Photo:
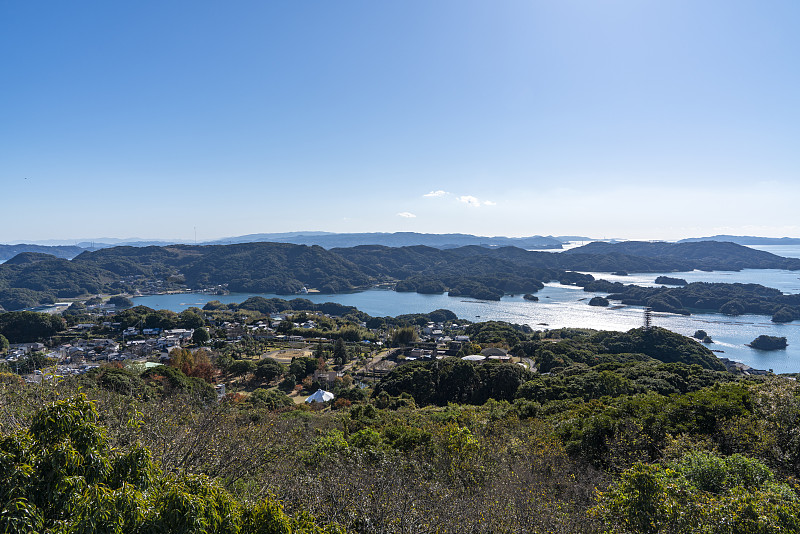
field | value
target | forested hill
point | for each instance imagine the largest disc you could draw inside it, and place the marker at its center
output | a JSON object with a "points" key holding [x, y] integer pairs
{"points": [[486, 273], [258, 267], [703, 255]]}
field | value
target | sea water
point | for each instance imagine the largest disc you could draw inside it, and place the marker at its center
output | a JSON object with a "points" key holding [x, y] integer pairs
{"points": [[561, 306]]}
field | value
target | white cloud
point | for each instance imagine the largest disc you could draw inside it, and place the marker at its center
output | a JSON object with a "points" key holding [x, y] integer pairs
{"points": [[470, 201], [489, 203], [438, 193], [406, 215]]}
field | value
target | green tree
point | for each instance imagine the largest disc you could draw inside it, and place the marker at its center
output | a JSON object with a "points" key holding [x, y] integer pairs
{"points": [[302, 367], [404, 336], [340, 352], [191, 318], [268, 369], [288, 382], [120, 301], [269, 399], [242, 367], [783, 315], [200, 336]]}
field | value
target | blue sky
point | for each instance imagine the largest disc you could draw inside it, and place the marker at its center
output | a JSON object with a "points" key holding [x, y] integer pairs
{"points": [[606, 118]]}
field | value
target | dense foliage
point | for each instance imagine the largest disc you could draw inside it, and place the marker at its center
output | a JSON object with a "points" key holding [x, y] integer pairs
{"points": [[25, 327], [62, 475], [454, 380]]}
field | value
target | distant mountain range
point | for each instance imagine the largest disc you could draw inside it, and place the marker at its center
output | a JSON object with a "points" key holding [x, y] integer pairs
{"points": [[61, 251], [746, 240], [326, 240], [396, 239]]}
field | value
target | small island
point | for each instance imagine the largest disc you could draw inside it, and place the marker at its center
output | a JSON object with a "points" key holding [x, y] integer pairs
{"points": [[598, 301], [783, 315], [702, 336], [768, 343], [669, 281], [532, 298]]}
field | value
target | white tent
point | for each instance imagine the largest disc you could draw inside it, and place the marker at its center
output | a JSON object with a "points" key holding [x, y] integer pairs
{"points": [[320, 396]]}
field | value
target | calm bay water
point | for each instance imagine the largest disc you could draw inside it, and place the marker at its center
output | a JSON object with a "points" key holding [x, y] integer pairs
{"points": [[567, 306]]}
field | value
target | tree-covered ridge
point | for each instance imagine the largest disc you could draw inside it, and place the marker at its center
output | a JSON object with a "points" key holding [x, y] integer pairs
{"points": [[730, 299], [586, 365], [41, 280], [275, 268], [702, 255], [283, 268], [656, 343]]}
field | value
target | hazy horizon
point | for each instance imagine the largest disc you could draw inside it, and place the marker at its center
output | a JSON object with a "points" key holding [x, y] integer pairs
{"points": [[121, 241]]}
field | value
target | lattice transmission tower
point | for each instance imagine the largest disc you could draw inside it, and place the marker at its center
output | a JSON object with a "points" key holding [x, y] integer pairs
{"points": [[648, 317]]}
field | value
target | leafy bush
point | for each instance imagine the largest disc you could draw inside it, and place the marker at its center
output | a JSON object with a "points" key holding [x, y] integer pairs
{"points": [[62, 475], [702, 492]]}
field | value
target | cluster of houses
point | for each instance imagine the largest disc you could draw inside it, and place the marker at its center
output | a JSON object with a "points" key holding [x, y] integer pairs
{"points": [[439, 345], [261, 330], [20, 350], [80, 355], [162, 341], [428, 351]]}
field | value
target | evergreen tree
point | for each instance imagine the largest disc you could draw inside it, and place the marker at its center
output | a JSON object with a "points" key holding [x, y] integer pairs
{"points": [[340, 352]]}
